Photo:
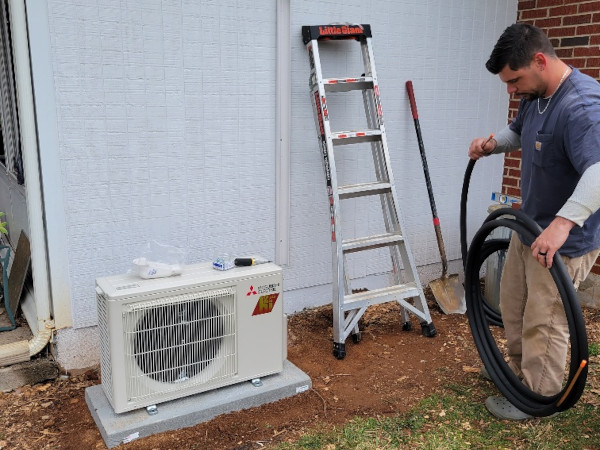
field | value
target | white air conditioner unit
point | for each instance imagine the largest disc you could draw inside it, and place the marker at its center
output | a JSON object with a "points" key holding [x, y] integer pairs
{"points": [[167, 338]]}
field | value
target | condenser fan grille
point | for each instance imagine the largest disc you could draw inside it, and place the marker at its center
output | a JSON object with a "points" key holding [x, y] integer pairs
{"points": [[182, 339]]}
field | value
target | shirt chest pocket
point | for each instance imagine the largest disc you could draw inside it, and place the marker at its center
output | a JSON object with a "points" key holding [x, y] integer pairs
{"points": [[546, 151]]}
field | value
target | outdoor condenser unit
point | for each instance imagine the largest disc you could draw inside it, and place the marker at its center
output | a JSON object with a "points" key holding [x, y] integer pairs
{"points": [[167, 338]]}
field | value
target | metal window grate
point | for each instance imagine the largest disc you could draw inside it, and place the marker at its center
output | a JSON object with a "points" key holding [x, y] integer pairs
{"points": [[180, 341], [10, 145]]}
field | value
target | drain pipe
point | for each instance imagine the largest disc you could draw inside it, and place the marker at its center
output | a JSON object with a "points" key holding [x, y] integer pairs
{"points": [[23, 350]]}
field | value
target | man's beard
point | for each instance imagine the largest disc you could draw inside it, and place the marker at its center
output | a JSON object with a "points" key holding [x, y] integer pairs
{"points": [[538, 93]]}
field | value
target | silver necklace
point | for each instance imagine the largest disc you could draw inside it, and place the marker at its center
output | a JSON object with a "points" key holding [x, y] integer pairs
{"points": [[550, 97]]}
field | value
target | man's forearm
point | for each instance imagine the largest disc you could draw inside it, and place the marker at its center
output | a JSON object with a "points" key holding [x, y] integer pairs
{"points": [[506, 141], [585, 200]]}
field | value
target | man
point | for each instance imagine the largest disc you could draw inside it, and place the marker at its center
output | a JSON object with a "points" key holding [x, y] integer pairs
{"points": [[557, 128]]}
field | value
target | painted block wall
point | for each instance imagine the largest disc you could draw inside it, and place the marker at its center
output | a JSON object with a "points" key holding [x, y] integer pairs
{"points": [[165, 115], [165, 118], [574, 29]]}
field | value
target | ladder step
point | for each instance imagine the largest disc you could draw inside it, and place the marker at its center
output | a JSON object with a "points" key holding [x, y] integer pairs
{"points": [[354, 137], [371, 242], [362, 189], [347, 84], [381, 295]]}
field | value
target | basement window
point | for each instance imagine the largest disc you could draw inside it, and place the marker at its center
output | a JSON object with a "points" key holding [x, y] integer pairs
{"points": [[10, 142]]}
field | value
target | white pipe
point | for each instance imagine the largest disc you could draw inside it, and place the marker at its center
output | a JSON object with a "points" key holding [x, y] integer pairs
{"points": [[13, 353], [39, 267], [40, 54], [21, 351]]}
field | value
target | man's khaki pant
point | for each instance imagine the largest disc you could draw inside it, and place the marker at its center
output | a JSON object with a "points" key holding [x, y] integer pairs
{"points": [[534, 319]]}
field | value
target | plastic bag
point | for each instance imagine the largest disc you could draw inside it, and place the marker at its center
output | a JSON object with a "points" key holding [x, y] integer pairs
{"points": [[223, 262], [158, 260]]}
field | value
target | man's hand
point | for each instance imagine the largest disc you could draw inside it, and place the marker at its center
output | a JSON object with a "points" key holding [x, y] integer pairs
{"points": [[551, 239], [481, 147]]}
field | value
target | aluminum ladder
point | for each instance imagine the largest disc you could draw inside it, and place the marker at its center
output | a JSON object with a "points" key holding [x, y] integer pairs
{"points": [[348, 307]]}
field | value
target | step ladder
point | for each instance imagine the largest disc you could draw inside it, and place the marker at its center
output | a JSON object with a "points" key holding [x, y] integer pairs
{"points": [[349, 306]]}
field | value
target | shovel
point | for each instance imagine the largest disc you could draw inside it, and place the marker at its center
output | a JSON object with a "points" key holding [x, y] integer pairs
{"points": [[447, 290]]}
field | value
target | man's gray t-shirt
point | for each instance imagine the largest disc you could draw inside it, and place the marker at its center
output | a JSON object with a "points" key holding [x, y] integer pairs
{"points": [[557, 147]]}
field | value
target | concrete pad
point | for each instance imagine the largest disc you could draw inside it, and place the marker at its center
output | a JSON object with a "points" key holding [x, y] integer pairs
{"points": [[185, 412]]}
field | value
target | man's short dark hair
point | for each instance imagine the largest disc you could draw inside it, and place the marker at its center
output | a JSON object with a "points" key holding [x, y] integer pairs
{"points": [[517, 46]]}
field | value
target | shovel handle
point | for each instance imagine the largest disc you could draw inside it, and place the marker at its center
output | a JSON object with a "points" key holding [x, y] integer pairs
{"points": [[411, 99], [436, 220], [413, 107], [440, 242]]}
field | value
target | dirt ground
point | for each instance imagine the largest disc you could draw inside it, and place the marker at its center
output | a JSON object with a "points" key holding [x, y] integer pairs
{"points": [[385, 374]]}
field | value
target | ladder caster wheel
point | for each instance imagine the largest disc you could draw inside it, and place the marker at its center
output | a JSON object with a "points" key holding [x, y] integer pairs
{"points": [[428, 329], [339, 350], [357, 337], [407, 326]]}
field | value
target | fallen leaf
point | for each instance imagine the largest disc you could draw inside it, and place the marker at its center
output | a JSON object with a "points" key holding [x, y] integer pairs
{"points": [[49, 423], [469, 369]]}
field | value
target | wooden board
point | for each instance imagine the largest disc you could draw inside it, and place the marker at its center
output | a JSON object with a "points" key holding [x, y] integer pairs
{"points": [[18, 272]]}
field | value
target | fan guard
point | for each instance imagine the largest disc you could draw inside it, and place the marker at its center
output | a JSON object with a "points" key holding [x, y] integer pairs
{"points": [[175, 342]]}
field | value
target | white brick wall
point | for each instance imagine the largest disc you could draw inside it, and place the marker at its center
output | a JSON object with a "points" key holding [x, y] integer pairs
{"points": [[165, 115], [166, 130]]}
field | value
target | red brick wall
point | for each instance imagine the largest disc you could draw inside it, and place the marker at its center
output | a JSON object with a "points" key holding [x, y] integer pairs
{"points": [[573, 26]]}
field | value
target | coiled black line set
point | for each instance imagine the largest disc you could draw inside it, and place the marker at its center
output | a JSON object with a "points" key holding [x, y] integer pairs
{"points": [[481, 315]]}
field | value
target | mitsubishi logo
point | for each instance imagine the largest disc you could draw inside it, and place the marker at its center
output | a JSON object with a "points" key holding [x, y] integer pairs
{"points": [[251, 291]]}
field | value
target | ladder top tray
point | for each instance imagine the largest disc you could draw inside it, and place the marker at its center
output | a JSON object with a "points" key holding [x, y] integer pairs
{"points": [[335, 31]]}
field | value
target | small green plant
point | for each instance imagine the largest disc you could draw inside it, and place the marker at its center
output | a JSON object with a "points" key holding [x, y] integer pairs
{"points": [[3, 229], [593, 349]]}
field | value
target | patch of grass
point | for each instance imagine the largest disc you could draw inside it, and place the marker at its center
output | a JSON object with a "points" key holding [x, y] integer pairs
{"points": [[593, 349], [310, 441], [457, 419]]}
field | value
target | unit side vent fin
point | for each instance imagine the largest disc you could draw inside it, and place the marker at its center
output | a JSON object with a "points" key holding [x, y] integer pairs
{"points": [[105, 365]]}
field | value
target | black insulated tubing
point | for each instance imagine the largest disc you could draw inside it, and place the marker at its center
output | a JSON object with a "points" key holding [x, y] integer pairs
{"points": [[489, 247], [479, 317]]}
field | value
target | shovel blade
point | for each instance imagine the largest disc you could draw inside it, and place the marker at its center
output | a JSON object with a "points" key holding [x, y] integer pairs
{"points": [[449, 294]]}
